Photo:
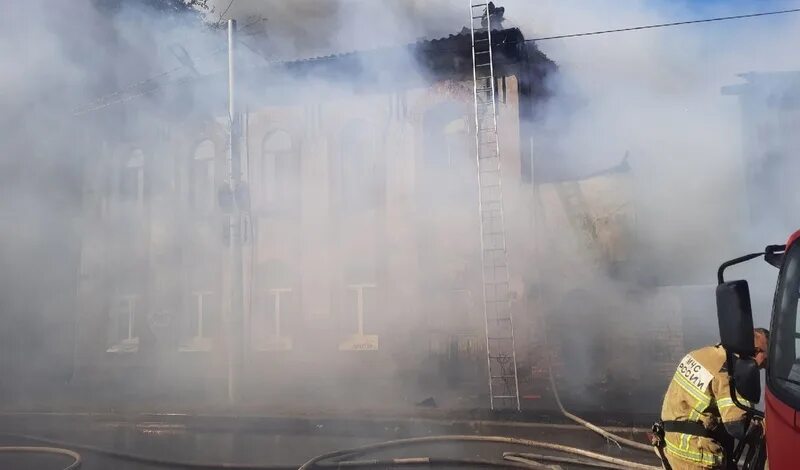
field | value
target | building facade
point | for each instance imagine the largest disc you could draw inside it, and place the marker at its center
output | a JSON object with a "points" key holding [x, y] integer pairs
{"points": [[361, 258]]}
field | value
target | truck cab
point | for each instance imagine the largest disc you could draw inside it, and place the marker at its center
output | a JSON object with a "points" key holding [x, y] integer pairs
{"points": [[783, 374], [781, 416]]}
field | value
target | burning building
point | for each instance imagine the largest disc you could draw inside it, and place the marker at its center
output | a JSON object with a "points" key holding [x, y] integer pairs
{"points": [[361, 250], [361, 270]]}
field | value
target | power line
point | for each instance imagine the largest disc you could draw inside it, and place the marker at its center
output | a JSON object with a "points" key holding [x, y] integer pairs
{"points": [[103, 101], [226, 11], [664, 25], [119, 95]]}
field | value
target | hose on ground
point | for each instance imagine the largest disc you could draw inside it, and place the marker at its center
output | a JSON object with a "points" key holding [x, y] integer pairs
{"points": [[613, 437], [151, 461], [467, 438], [76, 458], [429, 461], [512, 459], [526, 457]]}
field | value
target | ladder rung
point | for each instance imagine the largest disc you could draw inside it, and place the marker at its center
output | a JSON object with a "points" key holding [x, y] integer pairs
{"points": [[501, 319], [503, 376], [498, 250], [476, 5], [495, 266], [483, 65], [504, 397], [481, 52]]}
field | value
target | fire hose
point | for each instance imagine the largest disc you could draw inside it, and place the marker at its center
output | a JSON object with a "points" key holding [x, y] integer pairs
{"points": [[511, 459], [76, 458], [496, 439], [612, 437]]}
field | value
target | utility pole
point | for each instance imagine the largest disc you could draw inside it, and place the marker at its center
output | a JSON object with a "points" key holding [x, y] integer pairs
{"points": [[235, 320]]}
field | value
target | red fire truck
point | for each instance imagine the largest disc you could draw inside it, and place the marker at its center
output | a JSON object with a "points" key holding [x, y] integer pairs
{"points": [[781, 416]]}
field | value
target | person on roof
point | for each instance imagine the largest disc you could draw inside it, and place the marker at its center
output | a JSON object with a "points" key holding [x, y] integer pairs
{"points": [[495, 16]]}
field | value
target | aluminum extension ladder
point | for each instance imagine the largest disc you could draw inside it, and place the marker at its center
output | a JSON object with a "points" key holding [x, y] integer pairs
{"points": [[500, 348]]}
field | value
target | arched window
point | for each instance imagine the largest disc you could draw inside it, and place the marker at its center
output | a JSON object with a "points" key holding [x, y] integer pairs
{"points": [[131, 186], [202, 186], [456, 143], [446, 139], [448, 173], [279, 172], [360, 179]]}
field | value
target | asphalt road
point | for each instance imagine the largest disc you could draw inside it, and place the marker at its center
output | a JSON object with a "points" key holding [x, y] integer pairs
{"points": [[259, 445]]}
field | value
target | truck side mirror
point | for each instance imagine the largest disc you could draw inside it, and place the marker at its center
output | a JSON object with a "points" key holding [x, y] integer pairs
{"points": [[747, 378], [735, 316]]}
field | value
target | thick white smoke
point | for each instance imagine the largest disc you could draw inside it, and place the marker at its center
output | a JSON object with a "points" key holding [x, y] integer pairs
{"points": [[655, 94]]}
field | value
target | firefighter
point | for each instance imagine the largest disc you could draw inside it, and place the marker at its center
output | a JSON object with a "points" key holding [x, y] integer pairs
{"points": [[699, 419]]}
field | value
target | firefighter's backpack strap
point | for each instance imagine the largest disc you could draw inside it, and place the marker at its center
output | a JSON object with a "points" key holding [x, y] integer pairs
{"points": [[658, 440], [693, 428]]}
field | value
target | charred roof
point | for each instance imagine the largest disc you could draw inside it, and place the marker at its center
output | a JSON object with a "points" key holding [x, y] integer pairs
{"points": [[377, 70], [444, 58]]}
